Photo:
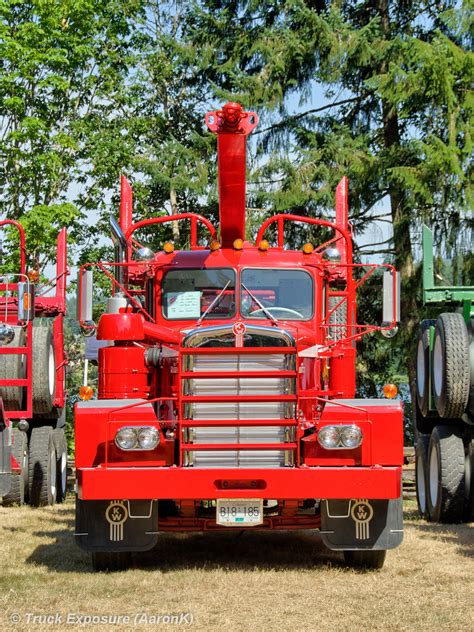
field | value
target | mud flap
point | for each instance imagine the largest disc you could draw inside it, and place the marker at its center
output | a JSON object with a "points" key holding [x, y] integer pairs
{"points": [[359, 524], [116, 525]]}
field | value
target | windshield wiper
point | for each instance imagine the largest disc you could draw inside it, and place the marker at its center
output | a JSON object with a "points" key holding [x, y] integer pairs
{"points": [[213, 304], [264, 309]]}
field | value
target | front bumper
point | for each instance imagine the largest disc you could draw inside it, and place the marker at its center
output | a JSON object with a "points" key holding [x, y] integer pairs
{"points": [[174, 483]]}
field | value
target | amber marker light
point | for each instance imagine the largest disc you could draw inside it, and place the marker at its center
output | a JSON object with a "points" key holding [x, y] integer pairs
{"points": [[390, 391], [168, 247], [263, 245], [33, 276], [308, 249], [86, 392], [214, 245], [238, 244]]}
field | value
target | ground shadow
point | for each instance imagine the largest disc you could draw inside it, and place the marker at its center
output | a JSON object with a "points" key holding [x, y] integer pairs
{"points": [[460, 534]]}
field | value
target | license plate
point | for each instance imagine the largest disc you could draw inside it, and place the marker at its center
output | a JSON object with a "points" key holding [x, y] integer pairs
{"points": [[239, 512]]}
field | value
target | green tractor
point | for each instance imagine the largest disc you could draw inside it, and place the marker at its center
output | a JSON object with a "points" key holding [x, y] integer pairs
{"points": [[444, 401]]}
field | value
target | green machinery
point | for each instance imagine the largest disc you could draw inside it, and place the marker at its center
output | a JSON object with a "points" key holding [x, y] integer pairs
{"points": [[444, 402]]}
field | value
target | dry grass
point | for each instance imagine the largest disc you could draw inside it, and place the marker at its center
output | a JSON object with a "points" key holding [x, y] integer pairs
{"points": [[255, 582]]}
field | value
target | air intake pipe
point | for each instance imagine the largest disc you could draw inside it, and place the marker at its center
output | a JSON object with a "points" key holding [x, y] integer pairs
{"points": [[232, 126]]}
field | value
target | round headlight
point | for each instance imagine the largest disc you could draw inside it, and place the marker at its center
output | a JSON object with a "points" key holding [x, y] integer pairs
{"points": [[148, 438], [351, 436], [328, 437], [126, 438]]}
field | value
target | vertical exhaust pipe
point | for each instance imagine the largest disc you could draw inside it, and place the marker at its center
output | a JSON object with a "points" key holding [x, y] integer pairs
{"points": [[232, 126]]}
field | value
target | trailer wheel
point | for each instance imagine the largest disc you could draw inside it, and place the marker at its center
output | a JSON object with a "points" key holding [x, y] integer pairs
{"points": [[469, 479], [60, 445], [451, 372], [423, 366], [365, 559], [111, 561], [17, 493], [421, 454], [12, 367], [42, 467], [44, 370], [446, 475]]}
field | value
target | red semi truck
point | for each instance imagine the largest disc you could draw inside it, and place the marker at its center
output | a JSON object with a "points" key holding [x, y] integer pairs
{"points": [[33, 459], [226, 391]]}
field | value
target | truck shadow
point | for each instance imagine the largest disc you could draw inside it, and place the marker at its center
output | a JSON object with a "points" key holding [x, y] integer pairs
{"points": [[460, 534], [287, 550]]}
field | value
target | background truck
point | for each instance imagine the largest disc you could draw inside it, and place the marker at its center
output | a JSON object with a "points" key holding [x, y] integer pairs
{"points": [[32, 381], [226, 392], [444, 399]]}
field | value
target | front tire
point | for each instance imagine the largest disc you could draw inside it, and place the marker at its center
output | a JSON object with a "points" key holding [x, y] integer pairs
{"points": [[18, 488], [446, 475], [42, 467], [365, 559]]}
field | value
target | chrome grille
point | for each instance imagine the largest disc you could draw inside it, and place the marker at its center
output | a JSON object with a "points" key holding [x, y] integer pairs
{"points": [[238, 410]]}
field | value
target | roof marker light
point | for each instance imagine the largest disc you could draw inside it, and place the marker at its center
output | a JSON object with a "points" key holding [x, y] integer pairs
{"points": [[308, 249], [168, 247], [214, 245], [263, 245], [390, 391], [238, 244]]}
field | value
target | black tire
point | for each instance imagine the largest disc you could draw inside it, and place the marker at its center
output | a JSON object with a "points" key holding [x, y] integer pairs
{"points": [[18, 489], [450, 370], [338, 317], [60, 445], [44, 371], [42, 467], [365, 559], [421, 455], [469, 479], [446, 475], [111, 561], [12, 367], [423, 366]]}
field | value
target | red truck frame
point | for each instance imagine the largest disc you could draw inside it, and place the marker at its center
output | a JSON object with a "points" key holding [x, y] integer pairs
{"points": [[246, 395]]}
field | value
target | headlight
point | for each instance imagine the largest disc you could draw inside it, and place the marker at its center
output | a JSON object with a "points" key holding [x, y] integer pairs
{"points": [[126, 438], [340, 437], [328, 437], [137, 438], [351, 436], [148, 438]]}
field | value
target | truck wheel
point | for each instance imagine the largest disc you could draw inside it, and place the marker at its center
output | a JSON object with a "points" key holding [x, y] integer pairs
{"points": [[12, 367], [450, 365], [17, 493], [423, 366], [42, 467], [44, 370], [365, 559], [469, 479], [446, 475], [421, 454], [60, 445], [111, 561]]}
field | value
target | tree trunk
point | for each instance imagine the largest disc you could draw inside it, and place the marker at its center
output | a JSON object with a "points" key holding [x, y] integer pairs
{"points": [[174, 209]]}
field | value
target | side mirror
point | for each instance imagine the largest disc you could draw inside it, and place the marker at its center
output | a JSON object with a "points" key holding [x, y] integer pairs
{"points": [[391, 302], [84, 297], [26, 301]]}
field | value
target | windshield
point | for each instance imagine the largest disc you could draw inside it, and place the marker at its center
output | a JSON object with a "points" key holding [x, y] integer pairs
{"points": [[281, 294], [189, 294]]}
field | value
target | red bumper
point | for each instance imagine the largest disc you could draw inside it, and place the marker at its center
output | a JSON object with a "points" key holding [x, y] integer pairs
{"points": [[205, 484]]}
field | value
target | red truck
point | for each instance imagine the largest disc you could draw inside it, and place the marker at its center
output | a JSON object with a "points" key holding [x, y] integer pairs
{"points": [[226, 390], [33, 460]]}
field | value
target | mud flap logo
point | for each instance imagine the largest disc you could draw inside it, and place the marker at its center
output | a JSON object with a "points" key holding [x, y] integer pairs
{"points": [[362, 513], [116, 514]]}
